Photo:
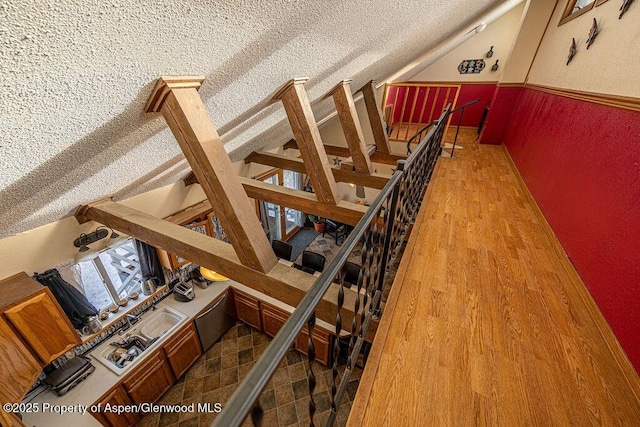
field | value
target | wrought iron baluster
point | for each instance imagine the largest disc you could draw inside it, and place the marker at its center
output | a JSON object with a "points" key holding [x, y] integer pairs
{"points": [[257, 414], [336, 341], [311, 352]]}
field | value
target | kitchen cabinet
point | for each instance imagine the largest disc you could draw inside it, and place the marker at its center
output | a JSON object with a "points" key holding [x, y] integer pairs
{"points": [[272, 320], [18, 367], [322, 340], [150, 380], [33, 332], [182, 349], [115, 396], [247, 309], [43, 324]]}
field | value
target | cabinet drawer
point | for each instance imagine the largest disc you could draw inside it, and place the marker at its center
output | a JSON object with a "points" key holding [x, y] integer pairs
{"points": [[150, 380]]}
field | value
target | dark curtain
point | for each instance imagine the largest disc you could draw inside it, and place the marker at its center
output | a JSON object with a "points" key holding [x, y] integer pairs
{"points": [[75, 305], [150, 267]]}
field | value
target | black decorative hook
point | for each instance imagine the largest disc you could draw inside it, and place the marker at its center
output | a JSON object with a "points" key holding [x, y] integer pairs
{"points": [[624, 7], [593, 33], [490, 53], [572, 50], [495, 66]]}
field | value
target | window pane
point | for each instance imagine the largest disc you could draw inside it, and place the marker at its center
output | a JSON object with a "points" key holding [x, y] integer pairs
{"points": [[93, 285], [123, 267]]}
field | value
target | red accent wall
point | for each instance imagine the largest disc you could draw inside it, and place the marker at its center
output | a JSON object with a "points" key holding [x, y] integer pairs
{"points": [[504, 101], [473, 113], [581, 162]]}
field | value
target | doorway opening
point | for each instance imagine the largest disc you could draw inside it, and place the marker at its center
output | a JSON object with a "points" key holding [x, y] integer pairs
{"points": [[283, 222]]}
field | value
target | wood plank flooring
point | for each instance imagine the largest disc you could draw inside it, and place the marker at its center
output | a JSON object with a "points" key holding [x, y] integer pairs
{"points": [[488, 323]]}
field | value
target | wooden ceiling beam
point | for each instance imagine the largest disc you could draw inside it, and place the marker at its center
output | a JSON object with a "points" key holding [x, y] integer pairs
{"points": [[351, 127], [283, 283], [305, 130], [376, 119], [374, 180], [345, 212], [178, 100], [279, 161]]}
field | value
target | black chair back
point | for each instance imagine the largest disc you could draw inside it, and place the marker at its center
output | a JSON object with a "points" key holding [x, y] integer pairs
{"points": [[313, 261], [282, 249], [351, 273]]}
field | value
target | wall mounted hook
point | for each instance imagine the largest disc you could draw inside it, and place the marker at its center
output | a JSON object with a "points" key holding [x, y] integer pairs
{"points": [[624, 7], [572, 50], [593, 33]]}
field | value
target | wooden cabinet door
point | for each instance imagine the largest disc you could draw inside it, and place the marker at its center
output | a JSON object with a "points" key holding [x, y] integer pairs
{"points": [[117, 396], [272, 319], [322, 340], [43, 324], [18, 367], [247, 309], [150, 380], [182, 349]]}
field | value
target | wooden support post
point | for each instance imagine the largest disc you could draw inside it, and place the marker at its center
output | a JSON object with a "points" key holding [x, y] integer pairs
{"points": [[375, 118], [348, 116], [305, 129], [178, 100], [283, 283]]}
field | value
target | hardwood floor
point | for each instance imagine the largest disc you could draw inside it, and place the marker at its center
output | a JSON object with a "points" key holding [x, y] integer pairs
{"points": [[487, 322]]}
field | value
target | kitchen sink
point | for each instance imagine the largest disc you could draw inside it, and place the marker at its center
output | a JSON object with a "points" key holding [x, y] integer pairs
{"points": [[123, 351]]}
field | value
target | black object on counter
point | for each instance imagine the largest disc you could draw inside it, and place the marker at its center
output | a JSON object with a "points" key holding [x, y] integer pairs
{"points": [[69, 375]]}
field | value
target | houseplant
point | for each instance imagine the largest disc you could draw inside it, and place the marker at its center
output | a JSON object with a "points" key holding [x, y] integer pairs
{"points": [[318, 223]]}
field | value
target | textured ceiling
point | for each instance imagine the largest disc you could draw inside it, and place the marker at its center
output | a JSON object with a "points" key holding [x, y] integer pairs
{"points": [[75, 75]]}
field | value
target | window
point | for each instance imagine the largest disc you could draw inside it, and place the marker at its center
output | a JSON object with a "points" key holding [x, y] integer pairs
{"points": [[576, 8], [112, 275]]}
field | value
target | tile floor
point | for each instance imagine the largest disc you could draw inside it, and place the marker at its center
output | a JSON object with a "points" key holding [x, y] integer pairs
{"points": [[217, 373]]}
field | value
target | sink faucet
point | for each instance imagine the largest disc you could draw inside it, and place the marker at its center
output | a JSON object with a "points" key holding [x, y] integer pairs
{"points": [[131, 319]]}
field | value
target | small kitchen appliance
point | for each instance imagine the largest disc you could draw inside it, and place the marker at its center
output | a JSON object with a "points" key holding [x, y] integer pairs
{"points": [[69, 375], [184, 292]]}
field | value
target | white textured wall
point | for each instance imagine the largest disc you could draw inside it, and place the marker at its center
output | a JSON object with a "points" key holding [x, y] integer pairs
{"points": [[74, 77], [500, 34], [617, 47]]}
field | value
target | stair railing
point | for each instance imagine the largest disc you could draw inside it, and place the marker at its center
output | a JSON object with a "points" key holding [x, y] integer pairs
{"points": [[461, 109], [381, 232]]}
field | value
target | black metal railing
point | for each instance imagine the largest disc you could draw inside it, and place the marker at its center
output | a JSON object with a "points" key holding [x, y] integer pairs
{"points": [[379, 235], [461, 109]]}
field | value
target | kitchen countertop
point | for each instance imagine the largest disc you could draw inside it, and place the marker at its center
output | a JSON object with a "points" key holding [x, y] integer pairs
{"points": [[102, 379]]}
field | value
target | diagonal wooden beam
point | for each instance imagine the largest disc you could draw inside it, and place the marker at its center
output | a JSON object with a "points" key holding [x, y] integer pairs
{"points": [[376, 119], [305, 130], [348, 213], [283, 283], [351, 127], [178, 100], [374, 180]]}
